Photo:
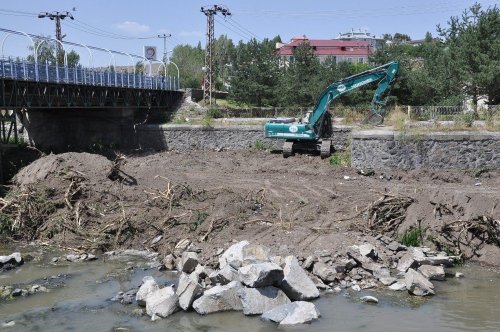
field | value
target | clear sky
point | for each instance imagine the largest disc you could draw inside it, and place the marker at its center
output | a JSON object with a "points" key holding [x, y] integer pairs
{"points": [[114, 24]]}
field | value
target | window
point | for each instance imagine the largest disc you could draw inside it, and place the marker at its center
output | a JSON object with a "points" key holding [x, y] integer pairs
{"points": [[349, 60], [361, 60]]}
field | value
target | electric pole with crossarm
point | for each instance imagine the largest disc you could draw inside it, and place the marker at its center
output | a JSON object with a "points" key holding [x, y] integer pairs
{"points": [[209, 48], [165, 36], [57, 16]]}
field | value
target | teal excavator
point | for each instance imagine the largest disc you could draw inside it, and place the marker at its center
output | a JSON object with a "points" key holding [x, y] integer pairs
{"points": [[314, 131]]}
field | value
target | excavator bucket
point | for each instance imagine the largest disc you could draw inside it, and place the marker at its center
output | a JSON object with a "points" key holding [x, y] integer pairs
{"points": [[373, 118]]}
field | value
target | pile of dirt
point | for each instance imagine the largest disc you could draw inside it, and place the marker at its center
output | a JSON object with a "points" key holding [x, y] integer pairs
{"points": [[299, 205]]}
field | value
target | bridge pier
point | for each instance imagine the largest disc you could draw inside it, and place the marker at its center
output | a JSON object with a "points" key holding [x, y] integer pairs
{"points": [[67, 129]]}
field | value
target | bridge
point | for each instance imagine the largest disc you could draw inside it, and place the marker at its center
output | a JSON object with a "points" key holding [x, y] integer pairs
{"points": [[62, 106]]}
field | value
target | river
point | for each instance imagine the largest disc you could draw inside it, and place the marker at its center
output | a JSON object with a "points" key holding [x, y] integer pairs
{"points": [[471, 303]]}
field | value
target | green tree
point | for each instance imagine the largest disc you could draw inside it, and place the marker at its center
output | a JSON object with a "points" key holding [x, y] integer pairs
{"points": [[190, 61], [473, 46], [301, 81], [401, 37], [47, 50], [139, 67], [254, 73], [224, 53]]}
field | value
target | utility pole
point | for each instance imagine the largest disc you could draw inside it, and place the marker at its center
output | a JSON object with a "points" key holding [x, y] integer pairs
{"points": [[165, 36], [57, 16], [209, 48]]}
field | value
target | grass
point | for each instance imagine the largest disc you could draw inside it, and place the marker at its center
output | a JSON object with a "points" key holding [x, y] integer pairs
{"points": [[412, 237], [214, 113], [397, 119], [261, 145], [340, 159], [6, 223]]}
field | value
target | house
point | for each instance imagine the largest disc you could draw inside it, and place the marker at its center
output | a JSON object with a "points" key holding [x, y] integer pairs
{"points": [[360, 35], [338, 50]]}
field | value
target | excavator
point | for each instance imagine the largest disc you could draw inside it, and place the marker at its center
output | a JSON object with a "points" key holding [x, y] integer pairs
{"points": [[313, 132]]}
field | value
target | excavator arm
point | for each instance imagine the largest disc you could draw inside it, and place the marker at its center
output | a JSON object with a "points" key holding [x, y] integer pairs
{"points": [[317, 123]]}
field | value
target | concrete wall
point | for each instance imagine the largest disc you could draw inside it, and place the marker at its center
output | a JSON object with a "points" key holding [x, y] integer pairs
{"points": [[61, 130], [433, 150], [189, 137]]}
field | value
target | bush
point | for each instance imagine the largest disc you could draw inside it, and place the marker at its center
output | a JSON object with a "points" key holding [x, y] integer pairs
{"points": [[411, 238], [214, 113], [6, 223], [261, 145], [340, 158]]}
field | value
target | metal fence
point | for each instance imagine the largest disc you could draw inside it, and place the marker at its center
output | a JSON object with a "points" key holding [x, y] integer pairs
{"points": [[43, 72], [452, 113]]}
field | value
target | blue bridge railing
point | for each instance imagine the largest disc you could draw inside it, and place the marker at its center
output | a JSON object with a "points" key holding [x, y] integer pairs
{"points": [[43, 72]]}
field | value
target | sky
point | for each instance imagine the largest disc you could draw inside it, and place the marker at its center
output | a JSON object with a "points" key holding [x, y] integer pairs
{"points": [[120, 24]]}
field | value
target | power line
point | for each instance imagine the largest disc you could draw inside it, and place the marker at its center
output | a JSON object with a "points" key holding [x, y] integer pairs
{"points": [[247, 37], [116, 35], [17, 12], [232, 20], [110, 35]]}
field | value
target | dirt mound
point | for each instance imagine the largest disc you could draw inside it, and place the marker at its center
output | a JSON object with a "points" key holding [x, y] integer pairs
{"points": [[295, 205], [38, 171]]}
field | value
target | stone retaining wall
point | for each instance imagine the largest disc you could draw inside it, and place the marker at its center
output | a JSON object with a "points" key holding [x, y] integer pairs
{"points": [[383, 149], [196, 137]]}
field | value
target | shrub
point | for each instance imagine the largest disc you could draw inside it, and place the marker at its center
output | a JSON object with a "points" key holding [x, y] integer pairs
{"points": [[214, 113], [340, 158], [411, 238]]}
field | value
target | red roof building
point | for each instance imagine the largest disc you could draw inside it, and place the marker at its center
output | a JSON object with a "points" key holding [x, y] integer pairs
{"points": [[340, 50]]}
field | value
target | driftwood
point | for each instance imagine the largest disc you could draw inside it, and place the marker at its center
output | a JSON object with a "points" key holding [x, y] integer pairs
{"points": [[388, 212]]}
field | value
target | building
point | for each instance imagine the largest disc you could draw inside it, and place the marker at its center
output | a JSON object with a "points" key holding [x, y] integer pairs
{"points": [[338, 50], [360, 35]]}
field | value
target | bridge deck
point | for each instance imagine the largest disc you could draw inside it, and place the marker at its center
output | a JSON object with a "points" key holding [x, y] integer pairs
{"points": [[33, 85]]}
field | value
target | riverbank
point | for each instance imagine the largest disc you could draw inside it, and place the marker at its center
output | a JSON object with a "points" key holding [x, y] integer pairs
{"points": [[353, 232], [85, 296]]}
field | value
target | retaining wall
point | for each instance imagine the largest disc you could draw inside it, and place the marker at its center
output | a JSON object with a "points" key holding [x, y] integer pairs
{"points": [[196, 137], [383, 149]]}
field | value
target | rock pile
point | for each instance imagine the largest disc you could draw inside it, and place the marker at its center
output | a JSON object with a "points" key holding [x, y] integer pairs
{"points": [[383, 263], [249, 279]]}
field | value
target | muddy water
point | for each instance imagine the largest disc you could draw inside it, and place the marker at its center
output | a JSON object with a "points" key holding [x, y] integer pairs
{"points": [[82, 304]]}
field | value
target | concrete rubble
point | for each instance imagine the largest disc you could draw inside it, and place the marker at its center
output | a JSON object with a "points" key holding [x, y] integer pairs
{"points": [[219, 298], [256, 301], [162, 302], [248, 278], [299, 312]]}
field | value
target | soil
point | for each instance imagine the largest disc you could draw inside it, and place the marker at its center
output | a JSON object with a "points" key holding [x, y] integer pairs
{"points": [[298, 205]]}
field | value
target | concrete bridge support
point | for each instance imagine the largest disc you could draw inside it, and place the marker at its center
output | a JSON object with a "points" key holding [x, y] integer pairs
{"points": [[69, 129]]}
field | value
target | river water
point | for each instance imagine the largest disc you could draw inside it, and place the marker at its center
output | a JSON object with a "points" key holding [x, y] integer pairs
{"points": [[471, 303]]}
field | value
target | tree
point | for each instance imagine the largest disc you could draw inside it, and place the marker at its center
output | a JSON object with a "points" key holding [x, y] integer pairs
{"points": [[47, 50], [387, 36], [139, 67], [301, 81], [401, 37], [424, 74], [190, 61], [254, 73], [224, 52], [473, 43]]}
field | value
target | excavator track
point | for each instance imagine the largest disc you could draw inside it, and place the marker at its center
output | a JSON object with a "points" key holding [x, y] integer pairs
{"points": [[326, 149], [287, 149]]}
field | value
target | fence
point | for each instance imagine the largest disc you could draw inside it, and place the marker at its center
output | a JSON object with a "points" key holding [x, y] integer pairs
{"points": [[452, 113], [43, 72]]}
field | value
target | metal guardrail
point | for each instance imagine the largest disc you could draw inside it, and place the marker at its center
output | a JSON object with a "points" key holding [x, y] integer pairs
{"points": [[38, 72], [452, 113]]}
